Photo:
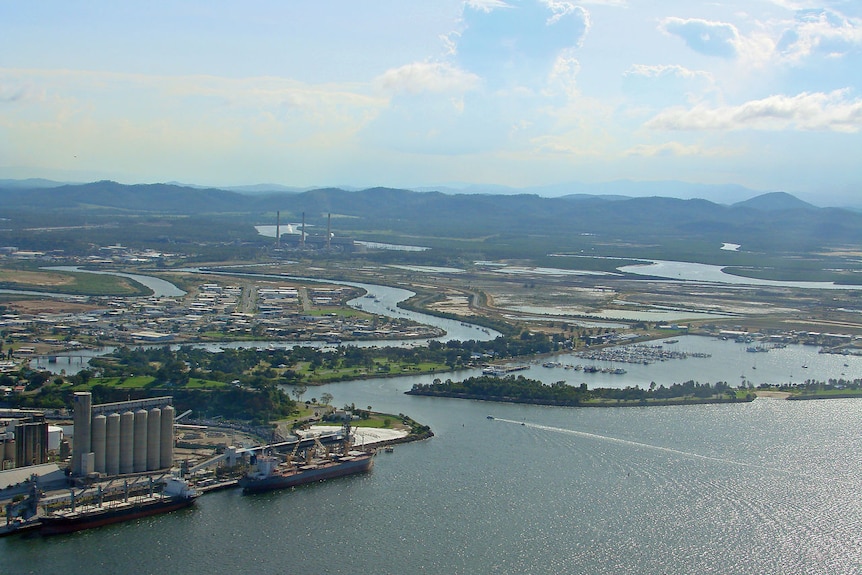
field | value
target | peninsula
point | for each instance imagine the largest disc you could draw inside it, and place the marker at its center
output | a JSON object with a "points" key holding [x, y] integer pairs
{"points": [[518, 389]]}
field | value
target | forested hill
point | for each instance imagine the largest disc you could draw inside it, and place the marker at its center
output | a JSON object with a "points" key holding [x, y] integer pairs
{"points": [[770, 221]]}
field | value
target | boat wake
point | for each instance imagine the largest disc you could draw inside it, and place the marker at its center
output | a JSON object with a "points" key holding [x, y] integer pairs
{"points": [[639, 444]]}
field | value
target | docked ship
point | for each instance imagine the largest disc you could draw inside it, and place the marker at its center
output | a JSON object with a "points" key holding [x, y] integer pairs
{"points": [[176, 494], [271, 472]]}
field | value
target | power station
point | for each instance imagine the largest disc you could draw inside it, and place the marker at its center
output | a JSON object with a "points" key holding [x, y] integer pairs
{"points": [[124, 437]]}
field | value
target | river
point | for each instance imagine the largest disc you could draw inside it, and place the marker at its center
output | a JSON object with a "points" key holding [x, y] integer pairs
{"points": [[764, 487]]}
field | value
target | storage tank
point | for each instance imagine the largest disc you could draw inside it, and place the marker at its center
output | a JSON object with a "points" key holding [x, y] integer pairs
{"points": [[154, 433], [97, 442], [55, 437], [112, 444], [166, 451], [127, 442], [140, 451]]}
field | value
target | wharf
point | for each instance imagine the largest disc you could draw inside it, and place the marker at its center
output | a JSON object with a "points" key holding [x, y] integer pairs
{"points": [[20, 527]]}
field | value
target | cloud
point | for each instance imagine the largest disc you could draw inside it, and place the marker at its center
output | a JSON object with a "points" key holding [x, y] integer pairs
{"points": [[822, 32], [427, 77], [14, 88], [564, 74], [675, 149], [511, 44], [666, 84], [820, 111], [710, 38]]}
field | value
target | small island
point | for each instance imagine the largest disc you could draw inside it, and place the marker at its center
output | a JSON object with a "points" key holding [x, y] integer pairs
{"points": [[518, 389]]}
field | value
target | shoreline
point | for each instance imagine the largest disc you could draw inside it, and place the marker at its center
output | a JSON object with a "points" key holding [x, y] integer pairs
{"points": [[609, 403]]}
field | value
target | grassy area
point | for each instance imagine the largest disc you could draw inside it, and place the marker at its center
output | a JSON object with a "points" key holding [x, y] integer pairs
{"points": [[145, 382], [74, 283], [378, 421], [382, 367], [826, 393]]}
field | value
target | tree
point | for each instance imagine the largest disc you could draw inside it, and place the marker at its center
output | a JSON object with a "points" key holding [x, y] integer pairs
{"points": [[299, 390], [325, 398]]}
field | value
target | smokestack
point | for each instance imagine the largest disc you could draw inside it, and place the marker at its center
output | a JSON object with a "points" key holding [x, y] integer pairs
{"points": [[302, 233], [278, 229], [328, 231]]}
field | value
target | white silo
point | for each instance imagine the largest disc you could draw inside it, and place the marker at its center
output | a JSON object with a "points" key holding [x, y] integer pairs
{"points": [[55, 437], [83, 407], [112, 444], [127, 442], [166, 451], [97, 442], [154, 433], [140, 451]]}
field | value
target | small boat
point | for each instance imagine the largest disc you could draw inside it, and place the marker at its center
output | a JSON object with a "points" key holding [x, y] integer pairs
{"points": [[490, 417]]}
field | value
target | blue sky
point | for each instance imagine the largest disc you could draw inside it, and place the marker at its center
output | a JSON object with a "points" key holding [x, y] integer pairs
{"points": [[762, 93]]}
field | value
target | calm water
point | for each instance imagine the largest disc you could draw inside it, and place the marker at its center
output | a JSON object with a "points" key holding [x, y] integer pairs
{"points": [[766, 487]]}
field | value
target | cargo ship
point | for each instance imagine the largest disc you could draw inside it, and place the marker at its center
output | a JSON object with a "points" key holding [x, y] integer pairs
{"points": [[270, 472], [176, 494]]}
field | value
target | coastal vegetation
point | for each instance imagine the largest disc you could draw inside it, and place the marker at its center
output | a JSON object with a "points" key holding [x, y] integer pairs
{"points": [[518, 389], [814, 389]]}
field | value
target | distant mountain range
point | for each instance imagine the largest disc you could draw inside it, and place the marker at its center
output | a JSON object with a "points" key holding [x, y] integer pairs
{"points": [[772, 221], [725, 194]]}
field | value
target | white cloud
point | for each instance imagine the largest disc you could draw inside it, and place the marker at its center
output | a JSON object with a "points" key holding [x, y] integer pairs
{"points": [[486, 5], [675, 149], [820, 31], [667, 70], [711, 38], [665, 85], [564, 74], [832, 111], [427, 77], [518, 44]]}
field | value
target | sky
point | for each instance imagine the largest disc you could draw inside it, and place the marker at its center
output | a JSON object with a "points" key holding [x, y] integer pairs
{"points": [[765, 94]]}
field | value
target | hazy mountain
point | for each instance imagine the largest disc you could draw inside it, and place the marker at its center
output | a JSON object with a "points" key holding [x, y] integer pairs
{"points": [[264, 189], [775, 201], [30, 184], [510, 220], [719, 193]]}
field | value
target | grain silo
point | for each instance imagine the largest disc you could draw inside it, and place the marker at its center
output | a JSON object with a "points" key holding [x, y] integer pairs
{"points": [[140, 449], [166, 451], [154, 432], [97, 442], [127, 442], [112, 444], [83, 402], [124, 437], [9, 453]]}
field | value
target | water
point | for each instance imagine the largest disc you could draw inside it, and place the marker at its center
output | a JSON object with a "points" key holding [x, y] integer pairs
{"points": [[694, 272], [765, 487]]}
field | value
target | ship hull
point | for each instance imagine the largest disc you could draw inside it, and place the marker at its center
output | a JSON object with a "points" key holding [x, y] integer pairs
{"points": [[302, 477], [55, 525]]}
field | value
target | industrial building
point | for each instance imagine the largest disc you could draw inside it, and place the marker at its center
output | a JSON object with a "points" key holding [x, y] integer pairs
{"points": [[124, 437], [24, 438]]}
